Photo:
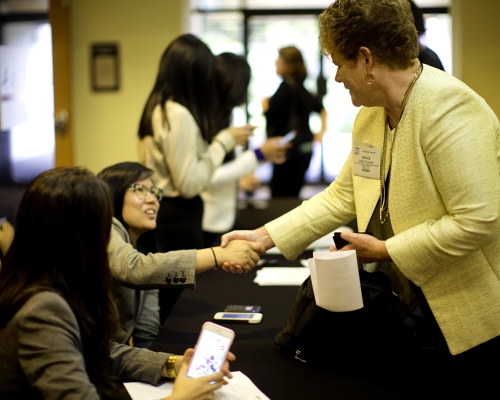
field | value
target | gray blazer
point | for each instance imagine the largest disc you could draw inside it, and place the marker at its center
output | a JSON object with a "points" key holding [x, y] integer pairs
{"points": [[41, 355], [135, 272]]}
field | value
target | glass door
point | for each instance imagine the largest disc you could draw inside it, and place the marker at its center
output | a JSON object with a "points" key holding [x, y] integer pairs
{"points": [[266, 35]]}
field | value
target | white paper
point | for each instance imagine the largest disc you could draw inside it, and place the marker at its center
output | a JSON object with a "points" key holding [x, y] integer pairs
{"points": [[335, 280], [281, 276], [238, 388]]}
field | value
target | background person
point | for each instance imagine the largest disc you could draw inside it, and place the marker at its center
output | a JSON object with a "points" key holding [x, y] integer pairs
{"points": [[136, 201], [179, 142], [425, 54], [57, 316], [436, 221], [289, 109], [219, 199]]}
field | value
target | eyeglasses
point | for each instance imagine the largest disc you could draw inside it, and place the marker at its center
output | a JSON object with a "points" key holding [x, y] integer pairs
{"points": [[142, 190]]}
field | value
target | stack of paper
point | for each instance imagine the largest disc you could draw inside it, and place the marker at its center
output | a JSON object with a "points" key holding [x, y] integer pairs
{"points": [[281, 276], [335, 280], [238, 388]]}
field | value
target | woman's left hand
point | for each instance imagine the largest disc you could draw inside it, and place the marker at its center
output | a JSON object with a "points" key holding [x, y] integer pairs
{"points": [[368, 249], [225, 368], [201, 388]]}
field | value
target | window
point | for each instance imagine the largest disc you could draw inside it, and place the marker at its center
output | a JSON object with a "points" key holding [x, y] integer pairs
{"points": [[258, 28]]}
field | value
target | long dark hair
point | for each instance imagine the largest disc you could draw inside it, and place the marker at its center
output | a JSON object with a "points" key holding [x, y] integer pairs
{"points": [[232, 76], [119, 177], [185, 76], [69, 211]]}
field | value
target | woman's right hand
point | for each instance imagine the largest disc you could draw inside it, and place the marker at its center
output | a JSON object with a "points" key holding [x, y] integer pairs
{"points": [[241, 134], [275, 151], [258, 236], [186, 388], [242, 253]]}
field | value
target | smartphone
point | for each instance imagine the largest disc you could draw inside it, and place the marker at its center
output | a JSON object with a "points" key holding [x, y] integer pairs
{"points": [[339, 242], [211, 350], [242, 308], [250, 318], [288, 137]]}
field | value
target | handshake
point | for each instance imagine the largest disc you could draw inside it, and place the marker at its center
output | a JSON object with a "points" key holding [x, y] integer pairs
{"points": [[242, 249]]}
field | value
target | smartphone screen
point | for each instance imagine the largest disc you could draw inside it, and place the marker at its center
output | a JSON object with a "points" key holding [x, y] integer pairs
{"points": [[211, 350]]}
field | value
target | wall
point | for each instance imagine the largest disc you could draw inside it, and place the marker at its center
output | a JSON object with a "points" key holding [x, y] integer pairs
{"points": [[105, 123], [476, 37]]}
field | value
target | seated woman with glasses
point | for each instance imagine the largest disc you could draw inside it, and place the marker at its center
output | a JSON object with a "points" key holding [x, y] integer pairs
{"points": [[136, 202], [57, 317]]}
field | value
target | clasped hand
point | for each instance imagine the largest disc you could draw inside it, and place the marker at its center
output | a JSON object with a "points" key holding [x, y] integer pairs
{"points": [[244, 255]]}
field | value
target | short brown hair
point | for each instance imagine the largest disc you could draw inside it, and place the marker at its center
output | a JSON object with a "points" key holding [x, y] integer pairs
{"points": [[294, 62], [384, 26]]}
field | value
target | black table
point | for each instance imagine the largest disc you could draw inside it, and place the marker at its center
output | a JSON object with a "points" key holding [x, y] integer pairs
{"points": [[257, 356]]}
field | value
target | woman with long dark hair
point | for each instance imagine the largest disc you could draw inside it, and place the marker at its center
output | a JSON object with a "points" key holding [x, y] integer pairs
{"points": [[233, 75], [179, 142], [136, 201], [179, 139], [57, 316]]}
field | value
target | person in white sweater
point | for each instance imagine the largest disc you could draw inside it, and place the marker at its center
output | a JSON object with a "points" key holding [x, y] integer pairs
{"points": [[219, 198], [180, 142]]}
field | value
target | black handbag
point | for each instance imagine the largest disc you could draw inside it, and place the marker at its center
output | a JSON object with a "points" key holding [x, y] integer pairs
{"points": [[317, 336]]}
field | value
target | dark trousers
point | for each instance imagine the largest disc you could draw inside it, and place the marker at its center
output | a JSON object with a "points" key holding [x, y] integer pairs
{"points": [[288, 178]]}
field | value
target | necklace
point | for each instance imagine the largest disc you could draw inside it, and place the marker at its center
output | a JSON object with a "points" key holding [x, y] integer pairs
{"points": [[384, 194]]}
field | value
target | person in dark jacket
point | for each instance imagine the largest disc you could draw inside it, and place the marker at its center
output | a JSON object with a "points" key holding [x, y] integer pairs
{"points": [[289, 110]]}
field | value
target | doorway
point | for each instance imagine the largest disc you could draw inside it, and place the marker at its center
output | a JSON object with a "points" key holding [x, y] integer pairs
{"points": [[27, 112]]}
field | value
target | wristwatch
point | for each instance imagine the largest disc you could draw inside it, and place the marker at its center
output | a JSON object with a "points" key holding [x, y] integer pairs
{"points": [[170, 364]]}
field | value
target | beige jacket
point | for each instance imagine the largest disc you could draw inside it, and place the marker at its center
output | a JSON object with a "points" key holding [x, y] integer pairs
{"points": [[444, 200], [182, 161]]}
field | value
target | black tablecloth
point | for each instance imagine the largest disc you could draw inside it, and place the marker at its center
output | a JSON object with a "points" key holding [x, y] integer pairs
{"points": [[257, 356]]}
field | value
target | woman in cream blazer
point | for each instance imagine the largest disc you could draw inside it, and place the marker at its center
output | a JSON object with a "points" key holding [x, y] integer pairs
{"points": [[442, 223]]}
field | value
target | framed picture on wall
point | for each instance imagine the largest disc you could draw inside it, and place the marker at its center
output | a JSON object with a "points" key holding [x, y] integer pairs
{"points": [[105, 68]]}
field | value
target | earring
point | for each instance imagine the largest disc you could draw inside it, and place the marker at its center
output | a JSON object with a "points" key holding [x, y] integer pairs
{"points": [[369, 75]]}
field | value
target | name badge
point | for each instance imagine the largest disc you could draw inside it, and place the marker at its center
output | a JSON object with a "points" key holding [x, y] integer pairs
{"points": [[366, 162]]}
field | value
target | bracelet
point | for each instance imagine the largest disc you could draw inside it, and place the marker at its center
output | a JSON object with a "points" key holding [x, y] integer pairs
{"points": [[215, 258], [259, 155], [222, 144], [170, 364]]}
